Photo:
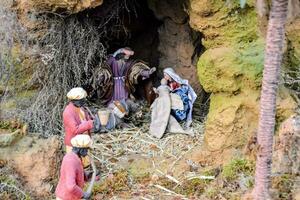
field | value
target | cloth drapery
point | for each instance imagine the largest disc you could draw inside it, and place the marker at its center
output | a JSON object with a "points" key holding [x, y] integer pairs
{"points": [[191, 93]]}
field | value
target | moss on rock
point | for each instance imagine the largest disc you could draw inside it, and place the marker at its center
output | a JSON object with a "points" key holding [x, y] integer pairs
{"points": [[229, 69], [69, 6], [141, 168], [223, 22], [233, 75], [231, 120]]}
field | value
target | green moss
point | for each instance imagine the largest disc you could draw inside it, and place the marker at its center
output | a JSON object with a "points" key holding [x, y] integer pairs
{"points": [[193, 187], [237, 166], [232, 69], [4, 125], [7, 105], [18, 99], [10, 181], [211, 192], [217, 71], [227, 105], [211, 172], [284, 184], [118, 182], [231, 119], [6, 179], [229, 24], [10, 125], [140, 168], [249, 183], [250, 58]]}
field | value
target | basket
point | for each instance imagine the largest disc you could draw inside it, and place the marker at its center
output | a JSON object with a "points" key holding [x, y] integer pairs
{"points": [[103, 116]]}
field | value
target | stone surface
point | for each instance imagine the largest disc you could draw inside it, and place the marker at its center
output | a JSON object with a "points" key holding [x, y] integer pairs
{"points": [[231, 120], [36, 161], [168, 9], [179, 45], [287, 147], [65, 6], [231, 70], [223, 22], [176, 50]]}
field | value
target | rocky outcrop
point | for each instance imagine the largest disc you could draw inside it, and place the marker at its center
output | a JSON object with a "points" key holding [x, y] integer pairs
{"points": [[36, 161], [292, 54], [287, 147], [231, 70], [179, 45], [223, 23], [63, 6]]}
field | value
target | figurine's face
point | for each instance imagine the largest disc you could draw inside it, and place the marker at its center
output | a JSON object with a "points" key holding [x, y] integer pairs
{"points": [[167, 77], [126, 57], [127, 53]]}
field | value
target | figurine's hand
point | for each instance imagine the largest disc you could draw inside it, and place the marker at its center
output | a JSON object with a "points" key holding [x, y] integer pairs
{"points": [[152, 70]]}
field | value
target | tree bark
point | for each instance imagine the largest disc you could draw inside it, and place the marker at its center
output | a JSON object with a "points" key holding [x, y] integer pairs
{"points": [[272, 63]]}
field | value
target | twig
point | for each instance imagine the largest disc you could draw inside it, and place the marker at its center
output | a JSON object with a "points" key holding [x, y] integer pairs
{"points": [[90, 188]]}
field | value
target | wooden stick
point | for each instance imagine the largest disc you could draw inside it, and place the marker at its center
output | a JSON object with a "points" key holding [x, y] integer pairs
{"points": [[90, 188]]}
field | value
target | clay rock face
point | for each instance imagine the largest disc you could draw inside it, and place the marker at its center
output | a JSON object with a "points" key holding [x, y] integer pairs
{"points": [[178, 43], [66, 6], [36, 161], [231, 70], [287, 147], [176, 49]]}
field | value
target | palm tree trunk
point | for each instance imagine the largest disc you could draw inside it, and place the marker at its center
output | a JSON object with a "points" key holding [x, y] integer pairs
{"points": [[273, 59]]}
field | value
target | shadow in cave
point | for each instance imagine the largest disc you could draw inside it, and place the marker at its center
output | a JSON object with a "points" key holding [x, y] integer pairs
{"points": [[136, 27], [160, 36]]}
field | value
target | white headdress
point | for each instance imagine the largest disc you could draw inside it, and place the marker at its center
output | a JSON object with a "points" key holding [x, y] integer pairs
{"points": [[77, 93]]}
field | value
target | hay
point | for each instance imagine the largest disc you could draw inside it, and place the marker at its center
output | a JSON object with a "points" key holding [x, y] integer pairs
{"points": [[111, 147], [11, 187], [118, 145]]}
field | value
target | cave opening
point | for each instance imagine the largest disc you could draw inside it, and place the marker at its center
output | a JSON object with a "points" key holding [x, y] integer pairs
{"points": [[159, 33], [67, 49], [133, 25]]}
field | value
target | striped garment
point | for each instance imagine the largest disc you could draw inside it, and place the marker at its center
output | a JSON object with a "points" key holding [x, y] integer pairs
{"points": [[119, 70]]}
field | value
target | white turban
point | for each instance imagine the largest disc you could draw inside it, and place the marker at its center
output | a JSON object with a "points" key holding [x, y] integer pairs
{"points": [[81, 141], [77, 93]]}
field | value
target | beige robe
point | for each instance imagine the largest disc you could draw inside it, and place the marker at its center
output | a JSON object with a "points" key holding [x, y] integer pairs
{"points": [[161, 119]]}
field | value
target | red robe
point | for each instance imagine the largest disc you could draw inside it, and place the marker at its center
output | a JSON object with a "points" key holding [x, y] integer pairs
{"points": [[71, 181], [74, 124]]}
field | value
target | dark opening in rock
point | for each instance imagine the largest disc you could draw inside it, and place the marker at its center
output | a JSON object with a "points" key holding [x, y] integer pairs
{"points": [[159, 33]]}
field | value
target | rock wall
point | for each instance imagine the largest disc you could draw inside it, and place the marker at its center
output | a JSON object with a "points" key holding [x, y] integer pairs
{"points": [[65, 6], [37, 161], [292, 55], [287, 147], [179, 45], [231, 70]]}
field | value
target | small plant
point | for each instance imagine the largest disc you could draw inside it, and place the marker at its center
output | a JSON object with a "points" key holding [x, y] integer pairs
{"points": [[211, 192], [10, 188], [193, 187], [284, 184], [235, 167], [4, 125], [116, 183], [11, 125]]}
